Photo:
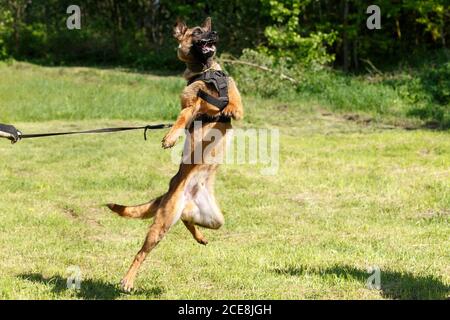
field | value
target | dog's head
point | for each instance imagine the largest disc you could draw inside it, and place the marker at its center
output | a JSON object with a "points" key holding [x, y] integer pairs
{"points": [[196, 44]]}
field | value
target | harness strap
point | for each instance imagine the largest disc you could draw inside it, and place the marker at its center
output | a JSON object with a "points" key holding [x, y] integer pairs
{"points": [[220, 81], [220, 102], [206, 118]]}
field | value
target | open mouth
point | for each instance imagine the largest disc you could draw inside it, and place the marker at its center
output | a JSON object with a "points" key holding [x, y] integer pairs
{"points": [[207, 46]]}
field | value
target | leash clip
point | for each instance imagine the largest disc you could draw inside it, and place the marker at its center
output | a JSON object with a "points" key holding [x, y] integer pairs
{"points": [[18, 138], [156, 126]]}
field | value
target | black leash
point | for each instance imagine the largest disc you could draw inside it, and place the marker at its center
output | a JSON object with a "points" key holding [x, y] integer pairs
{"points": [[104, 130]]}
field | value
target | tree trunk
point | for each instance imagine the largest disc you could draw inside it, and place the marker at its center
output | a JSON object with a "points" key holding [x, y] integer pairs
{"points": [[117, 26], [15, 9], [345, 38], [398, 30], [355, 54]]}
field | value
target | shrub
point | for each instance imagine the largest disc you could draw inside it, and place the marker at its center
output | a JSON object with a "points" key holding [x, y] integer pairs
{"points": [[417, 93], [286, 42]]}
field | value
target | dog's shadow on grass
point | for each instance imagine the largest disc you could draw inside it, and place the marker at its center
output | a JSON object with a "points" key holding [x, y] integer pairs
{"points": [[90, 289], [394, 284]]}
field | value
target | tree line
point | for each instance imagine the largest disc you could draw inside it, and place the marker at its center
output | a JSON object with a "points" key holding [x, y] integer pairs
{"points": [[137, 33]]}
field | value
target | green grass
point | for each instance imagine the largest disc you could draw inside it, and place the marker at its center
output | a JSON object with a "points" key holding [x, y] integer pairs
{"points": [[85, 93], [347, 196]]}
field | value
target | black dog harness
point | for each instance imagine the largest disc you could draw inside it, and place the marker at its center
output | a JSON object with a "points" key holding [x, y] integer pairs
{"points": [[220, 82]]}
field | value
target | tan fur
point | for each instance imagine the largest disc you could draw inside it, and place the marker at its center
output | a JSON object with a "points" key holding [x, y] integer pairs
{"points": [[192, 181]]}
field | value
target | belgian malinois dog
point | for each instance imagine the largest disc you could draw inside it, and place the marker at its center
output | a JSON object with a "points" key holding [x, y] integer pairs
{"points": [[191, 191]]}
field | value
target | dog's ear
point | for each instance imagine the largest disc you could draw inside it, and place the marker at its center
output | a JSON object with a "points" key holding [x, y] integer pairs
{"points": [[207, 24], [179, 29]]}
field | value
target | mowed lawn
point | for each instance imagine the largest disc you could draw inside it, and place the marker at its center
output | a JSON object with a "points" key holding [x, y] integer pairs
{"points": [[347, 197]]}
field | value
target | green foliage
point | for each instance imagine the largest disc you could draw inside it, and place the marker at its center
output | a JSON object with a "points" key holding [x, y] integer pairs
{"points": [[419, 93], [138, 33], [430, 93], [299, 39], [285, 39], [36, 38], [3, 52], [437, 80], [433, 15], [260, 83], [5, 20]]}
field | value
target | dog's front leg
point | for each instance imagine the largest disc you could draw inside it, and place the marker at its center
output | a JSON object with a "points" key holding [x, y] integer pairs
{"points": [[190, 106], [184, 119], [234, 108]]}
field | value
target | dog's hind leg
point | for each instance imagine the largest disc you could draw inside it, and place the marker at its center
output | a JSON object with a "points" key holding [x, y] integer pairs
{"points": [[198, 236], [168, 213], [204, 211], [210, 215], [187, 217], [143, 211]]}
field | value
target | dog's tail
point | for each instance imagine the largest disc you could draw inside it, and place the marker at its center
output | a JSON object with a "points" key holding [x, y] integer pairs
{"points": [[142, 211]]}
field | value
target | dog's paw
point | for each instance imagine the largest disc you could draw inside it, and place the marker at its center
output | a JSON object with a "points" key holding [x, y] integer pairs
{"points": [[238, 114], [228, 111], [203, 241], [168, 141], [232, 112], [126, 285]]}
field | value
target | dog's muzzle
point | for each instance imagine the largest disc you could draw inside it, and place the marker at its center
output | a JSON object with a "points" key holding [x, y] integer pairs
{"points": [[207, 45]]}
